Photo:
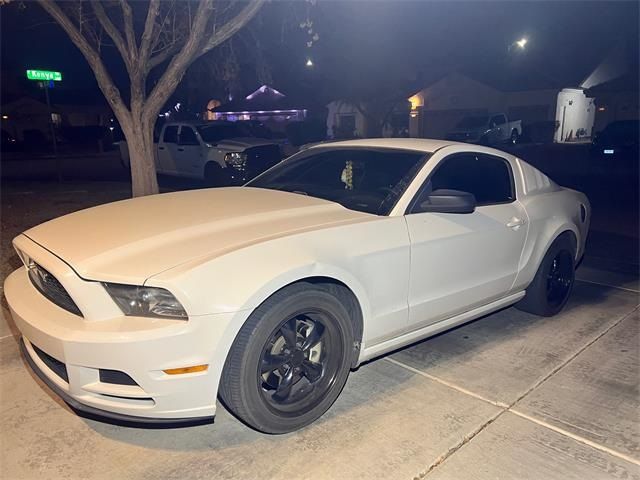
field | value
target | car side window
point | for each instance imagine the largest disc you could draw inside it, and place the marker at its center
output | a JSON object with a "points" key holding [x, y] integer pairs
{"points": [[188, 136], [498, 120], [487, 177], [170, 134]]}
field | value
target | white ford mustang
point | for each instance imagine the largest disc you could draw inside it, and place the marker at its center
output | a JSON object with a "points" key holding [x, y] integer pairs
{"points": [[269, 294]]}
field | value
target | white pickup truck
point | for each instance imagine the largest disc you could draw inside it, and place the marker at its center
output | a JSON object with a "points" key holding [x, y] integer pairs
{"points": [[221, 153], [490, 129]]}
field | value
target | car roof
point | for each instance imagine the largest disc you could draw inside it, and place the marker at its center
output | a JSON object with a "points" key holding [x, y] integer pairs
{"points": [[419, 144]]}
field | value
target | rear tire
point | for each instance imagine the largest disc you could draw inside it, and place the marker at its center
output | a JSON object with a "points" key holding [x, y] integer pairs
{"points": [[290, 360], [551, 287]]}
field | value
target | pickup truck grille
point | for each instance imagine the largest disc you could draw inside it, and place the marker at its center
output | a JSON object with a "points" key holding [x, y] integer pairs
{"points": [[261, 158], [51, 288]]}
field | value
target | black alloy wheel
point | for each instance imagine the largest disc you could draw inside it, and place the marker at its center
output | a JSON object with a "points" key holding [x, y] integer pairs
{"points": [[299, 363], [552, 284], [560, 278], [290, 359]]}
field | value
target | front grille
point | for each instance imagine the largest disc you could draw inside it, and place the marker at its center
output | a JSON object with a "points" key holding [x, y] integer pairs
{"points": [[56, 366], [261, 158], [51, 288]]}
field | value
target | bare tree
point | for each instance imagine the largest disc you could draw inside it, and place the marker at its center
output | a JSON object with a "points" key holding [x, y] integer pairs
{"points": [[170, 34]]}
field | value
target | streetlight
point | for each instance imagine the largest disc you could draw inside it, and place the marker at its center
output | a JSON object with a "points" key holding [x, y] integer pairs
{"points": [[309, 63], [522, 43]]}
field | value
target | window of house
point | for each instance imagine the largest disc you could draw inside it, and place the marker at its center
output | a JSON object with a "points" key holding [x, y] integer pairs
{"points": [[347, 123]]}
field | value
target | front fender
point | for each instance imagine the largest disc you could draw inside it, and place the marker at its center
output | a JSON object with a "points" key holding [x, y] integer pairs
{"points": [[368, 257]]}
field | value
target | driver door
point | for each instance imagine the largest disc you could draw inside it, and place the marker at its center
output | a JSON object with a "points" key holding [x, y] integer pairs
{"points": [[498, 128], [167, 149], [463, 261], [189, 159]]}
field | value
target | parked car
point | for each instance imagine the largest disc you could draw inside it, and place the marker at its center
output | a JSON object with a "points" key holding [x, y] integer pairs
{"points": [[221, 153], [491, 129], [269, 294], [618, 138]]}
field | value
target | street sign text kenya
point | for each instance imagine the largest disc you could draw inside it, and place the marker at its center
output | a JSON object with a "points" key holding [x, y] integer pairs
{"points": [[44, 75]]}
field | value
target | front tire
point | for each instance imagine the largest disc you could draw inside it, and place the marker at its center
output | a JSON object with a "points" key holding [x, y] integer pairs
{"points": [[550, 289], [289, 361]]}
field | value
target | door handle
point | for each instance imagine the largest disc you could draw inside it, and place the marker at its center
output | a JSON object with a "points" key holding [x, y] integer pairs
{"points": [[160, 148], [181, 149], [515, 222]]}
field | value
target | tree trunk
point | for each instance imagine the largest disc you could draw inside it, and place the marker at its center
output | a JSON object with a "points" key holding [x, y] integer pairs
{"points": [[139, 137]]}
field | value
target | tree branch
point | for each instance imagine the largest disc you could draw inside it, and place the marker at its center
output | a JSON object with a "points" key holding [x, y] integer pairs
{"points": [[129, 30], [175, 71], [108, 88], [113, 32], [149, 28], [232, 26], [163, 56]]}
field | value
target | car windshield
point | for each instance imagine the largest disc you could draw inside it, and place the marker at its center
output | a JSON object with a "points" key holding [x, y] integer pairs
{"points": [[473, 122], [216, 133], [363, 179]]}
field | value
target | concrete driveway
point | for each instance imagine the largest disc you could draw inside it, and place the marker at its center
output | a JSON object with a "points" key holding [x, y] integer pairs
{"points": [[508, 396]]}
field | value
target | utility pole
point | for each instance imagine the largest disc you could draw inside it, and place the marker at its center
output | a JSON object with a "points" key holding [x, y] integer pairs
{"points": [[45, 85]]}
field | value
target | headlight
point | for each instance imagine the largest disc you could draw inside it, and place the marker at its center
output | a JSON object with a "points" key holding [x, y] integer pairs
{"points": [[145, 301], [236, 159]]}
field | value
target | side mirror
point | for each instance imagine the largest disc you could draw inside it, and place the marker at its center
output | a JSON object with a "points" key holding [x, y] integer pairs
{"points": [[448, 201]]}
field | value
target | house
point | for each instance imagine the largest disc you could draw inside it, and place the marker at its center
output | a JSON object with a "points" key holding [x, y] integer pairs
{"points": [[346, 120], [437, 108], [27, 115], [616, 100], [266, 105]]}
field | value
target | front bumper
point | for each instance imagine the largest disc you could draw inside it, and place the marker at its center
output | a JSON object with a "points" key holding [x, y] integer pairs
{"points": [[92, 412], [140, 348]]}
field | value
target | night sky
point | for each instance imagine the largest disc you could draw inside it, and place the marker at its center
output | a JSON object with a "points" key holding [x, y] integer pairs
{"points": [[367, 40]]}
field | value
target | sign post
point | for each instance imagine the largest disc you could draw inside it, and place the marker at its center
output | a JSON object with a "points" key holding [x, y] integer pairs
{"points": [[46, 79]]}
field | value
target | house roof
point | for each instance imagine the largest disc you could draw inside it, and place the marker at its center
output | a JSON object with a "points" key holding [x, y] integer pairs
{"points": [[626, 83], [265, 98]]}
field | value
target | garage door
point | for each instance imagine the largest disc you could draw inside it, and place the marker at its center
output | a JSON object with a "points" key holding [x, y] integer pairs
{"points": [[437, 123]]}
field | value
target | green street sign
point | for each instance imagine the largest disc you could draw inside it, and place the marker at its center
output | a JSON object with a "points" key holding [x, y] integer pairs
{"points": [[44, 75]]}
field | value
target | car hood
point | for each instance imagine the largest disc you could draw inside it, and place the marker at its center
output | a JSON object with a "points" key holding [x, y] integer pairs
{"points": [[132, 240], [244, 142]]}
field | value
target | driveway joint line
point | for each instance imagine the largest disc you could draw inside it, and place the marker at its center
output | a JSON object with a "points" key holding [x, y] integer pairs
{"points": [[448, 384], [625, 289], [568, 360], [577, 438], [509, 407]]}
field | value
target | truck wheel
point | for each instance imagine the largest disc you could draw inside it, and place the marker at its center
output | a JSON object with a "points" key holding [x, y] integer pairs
{"points": [[214, 175], [550, 289], [514, 137], [290, 360]]}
